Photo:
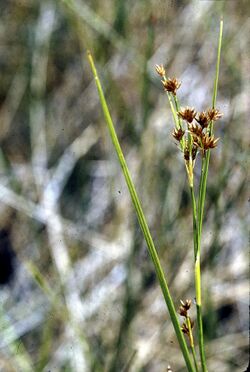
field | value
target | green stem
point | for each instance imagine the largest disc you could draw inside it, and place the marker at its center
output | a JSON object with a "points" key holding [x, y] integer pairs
{"points": [[200, 330], [192, 344], [177, 107], [176, 120], [201, 203], [197, 276], [179, 124], [216, 80], [194, 358], [195, 227], [197, 270], [142, 221]]}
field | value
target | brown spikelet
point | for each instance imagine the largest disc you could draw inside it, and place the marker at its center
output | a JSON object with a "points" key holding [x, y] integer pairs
{"points": [[182, 311], [185, 329], [178, 134], [185, 306], [160, 70], [194, 151], [208, 142], [195, 129], [171, 85], [214, 114], [187, 114], [202, 119]]}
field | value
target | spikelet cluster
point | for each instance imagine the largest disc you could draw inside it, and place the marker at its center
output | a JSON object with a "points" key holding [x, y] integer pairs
{"points": [[188, 323], [194, 135]]}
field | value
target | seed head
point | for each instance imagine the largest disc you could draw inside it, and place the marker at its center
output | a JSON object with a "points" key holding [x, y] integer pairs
{"points": [[184, 326], [178, 134], [187, 114], [185, 329], [195, 129], [182, 311], [202, 119], [171, 85], [187, 304], [214, 114], [208, 142], [187, 152], [160, 70]]}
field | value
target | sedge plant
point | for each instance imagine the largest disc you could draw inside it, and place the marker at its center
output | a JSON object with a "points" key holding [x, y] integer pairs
{"points": [[193, 132]]}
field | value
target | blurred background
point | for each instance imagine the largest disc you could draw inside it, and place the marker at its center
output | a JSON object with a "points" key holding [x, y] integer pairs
{"points": [[78, 291]]}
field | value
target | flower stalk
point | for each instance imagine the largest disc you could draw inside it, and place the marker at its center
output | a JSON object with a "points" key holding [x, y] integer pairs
{"points": [[213, 115], [197, 138], [187, 327]]}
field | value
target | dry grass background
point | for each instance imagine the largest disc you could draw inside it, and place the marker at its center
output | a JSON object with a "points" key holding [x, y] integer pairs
{"points": [[84, 296]]}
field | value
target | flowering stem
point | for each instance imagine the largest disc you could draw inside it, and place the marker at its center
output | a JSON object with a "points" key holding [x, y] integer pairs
{"points": [[197, 272], [177, 107], [197, 277], [192, 344], [194, 219], [197, 250], [201, 202], [142, 221], [194, 358], [173, 110]]}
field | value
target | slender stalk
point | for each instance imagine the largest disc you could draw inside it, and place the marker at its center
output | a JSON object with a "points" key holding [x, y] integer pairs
{"points": [[197, 276], [195, 227], [216, 80], [177, 107], [199, 317], [194, 358], [197, 270], [142, 221], [201, 202], [192, 344], [206, 158], [176, 120]]}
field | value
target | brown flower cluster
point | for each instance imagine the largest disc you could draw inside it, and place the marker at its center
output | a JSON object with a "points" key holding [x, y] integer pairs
{"points": [[214, 114], [188, 324], [203, 119], [196, 137], [169, 85], [187, 114], [185, 328], [201, 139], [190, 154], [185, 306], [178, 134]]}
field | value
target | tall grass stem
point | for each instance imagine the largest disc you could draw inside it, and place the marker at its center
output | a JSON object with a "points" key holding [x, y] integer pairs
{"points": [[201, 203], [142, 221]]}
